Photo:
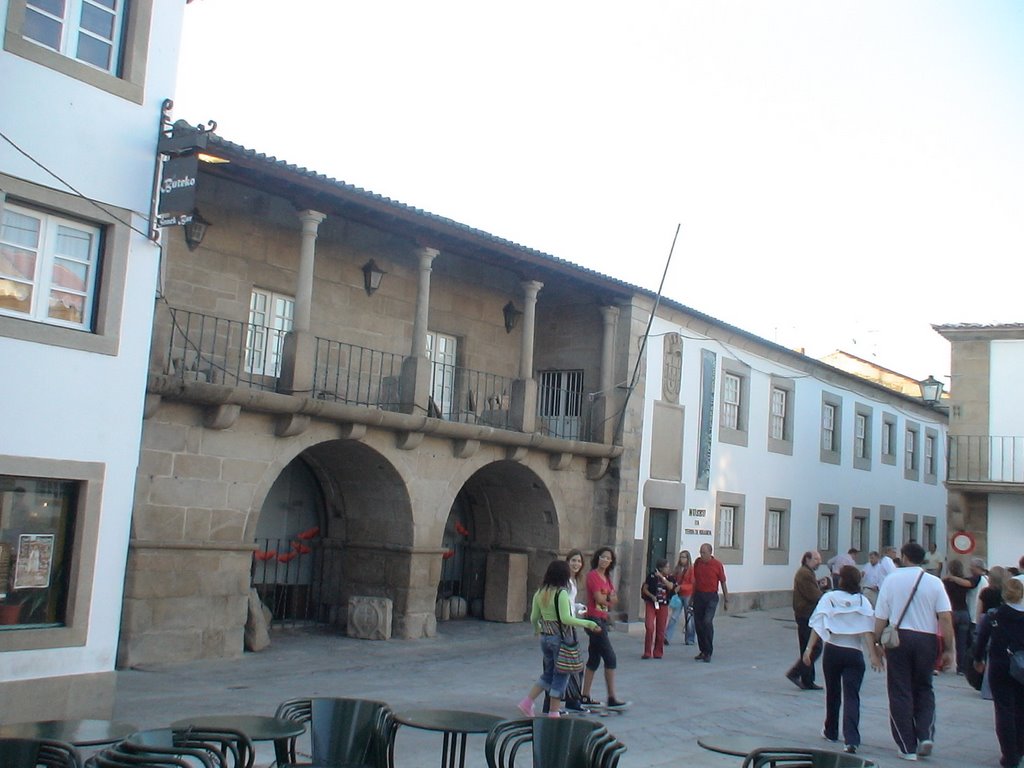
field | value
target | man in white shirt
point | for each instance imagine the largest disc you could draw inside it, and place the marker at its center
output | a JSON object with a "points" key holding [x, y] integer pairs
{"points": [[935, 560], [916, 603], [871, 579], [887, 563]]}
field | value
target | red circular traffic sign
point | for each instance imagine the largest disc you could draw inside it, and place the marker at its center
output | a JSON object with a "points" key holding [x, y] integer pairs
{"points": [[963, 542]]}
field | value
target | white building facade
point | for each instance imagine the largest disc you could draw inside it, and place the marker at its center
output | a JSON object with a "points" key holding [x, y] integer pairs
{"points": [[986, 439], [766, 453], [82, 86]]}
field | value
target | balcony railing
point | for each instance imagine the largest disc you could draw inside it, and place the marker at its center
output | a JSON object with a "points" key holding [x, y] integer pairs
{"points": [[205, 348], [985, 459], [212, 349], [475, 397], [357, 375]]}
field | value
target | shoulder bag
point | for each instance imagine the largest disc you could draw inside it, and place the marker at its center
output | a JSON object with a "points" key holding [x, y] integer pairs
{"points": [[569, 659], [890, 634]]}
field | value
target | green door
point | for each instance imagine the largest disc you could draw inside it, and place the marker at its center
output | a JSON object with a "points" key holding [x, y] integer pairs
{"points": [[657, 536]]}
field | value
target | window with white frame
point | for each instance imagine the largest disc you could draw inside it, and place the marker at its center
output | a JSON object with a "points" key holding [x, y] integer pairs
{"points": [[825, 533], [858, 532], [87, 30], [910, 446], [887, 441], [731, 401], [828, 427], [777, 425], [727, 526], [776, 518], [860, 429], [441, 351], [270, 319], [929, 455], [559, 402], [48, 267]]}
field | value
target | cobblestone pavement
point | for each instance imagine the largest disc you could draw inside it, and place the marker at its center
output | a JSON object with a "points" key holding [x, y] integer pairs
{"points": [[487, 667]]}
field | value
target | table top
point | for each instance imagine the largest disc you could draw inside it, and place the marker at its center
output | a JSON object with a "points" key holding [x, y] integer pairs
{"points": [[80, 733], [731, 743], [448, 720], [256, 727]]}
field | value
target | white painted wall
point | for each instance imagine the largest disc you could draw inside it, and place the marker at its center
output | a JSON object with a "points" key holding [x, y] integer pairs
{"points": [[802, 477], [68, 404], [1005, 529], [1006, 372]]}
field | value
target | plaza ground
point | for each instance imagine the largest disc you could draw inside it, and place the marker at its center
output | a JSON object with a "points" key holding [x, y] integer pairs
{"points": [[488, 667]]}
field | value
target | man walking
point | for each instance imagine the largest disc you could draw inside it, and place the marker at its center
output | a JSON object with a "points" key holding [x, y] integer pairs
{"points": [[806, 594], [836, 564], [872, 578], [915, 602], [708, 573]]}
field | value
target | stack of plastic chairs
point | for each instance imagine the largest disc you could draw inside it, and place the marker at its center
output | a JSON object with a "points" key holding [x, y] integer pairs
{"points": [[562, 742], [349, 732], [38, 753]]}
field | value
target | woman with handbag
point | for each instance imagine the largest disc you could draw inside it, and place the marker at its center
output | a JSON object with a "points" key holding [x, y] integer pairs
{"points": [[554, 619], [1001, 636], [679, 605]]}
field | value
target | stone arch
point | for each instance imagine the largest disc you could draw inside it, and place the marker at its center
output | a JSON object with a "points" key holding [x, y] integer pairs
{"points": [[503, 528], [364, 525]]}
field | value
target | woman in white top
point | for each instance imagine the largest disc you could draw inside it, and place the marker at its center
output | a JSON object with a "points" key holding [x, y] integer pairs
{"points": [[844, 620]]}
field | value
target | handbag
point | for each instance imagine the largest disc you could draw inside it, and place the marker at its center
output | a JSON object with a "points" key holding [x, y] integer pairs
{"points": [[1016, 665], [890, 637], [569, 659]]}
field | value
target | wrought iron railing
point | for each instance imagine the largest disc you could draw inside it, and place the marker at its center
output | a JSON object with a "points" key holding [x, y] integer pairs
{"points": [[290, 577], [985, 459], [206, 348], [357, 375], [476, 397]]}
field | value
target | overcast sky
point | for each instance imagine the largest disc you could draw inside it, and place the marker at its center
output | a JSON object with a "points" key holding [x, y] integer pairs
{"points": [[845, 173]]}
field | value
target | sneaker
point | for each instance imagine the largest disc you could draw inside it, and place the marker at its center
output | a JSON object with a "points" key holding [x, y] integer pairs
{"points": [[911, 756], [699, 657], [614, 703], [574, 706], [850, 749], [925, 747], [826, 737], [812, 687], [707, 658], [526, 707], [586, 701]]}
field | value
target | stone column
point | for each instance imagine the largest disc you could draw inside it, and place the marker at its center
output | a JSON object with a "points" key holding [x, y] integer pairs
{"points": [[299, 350], [523, 409], [602, 425], [307, 256], [530, 290], [415, 384]]}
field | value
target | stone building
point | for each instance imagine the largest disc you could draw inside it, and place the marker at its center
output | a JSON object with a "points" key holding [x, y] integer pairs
{"points": [[986, 441], [350, 398]]}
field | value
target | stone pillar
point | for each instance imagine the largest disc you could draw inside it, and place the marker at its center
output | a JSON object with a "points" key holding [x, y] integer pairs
{"points": [[419, 326], [601, 430], [307, 257], [530, 290], [415, 384]]}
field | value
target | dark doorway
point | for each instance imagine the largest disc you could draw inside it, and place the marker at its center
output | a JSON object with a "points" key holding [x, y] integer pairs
{"points": [[657, 536]]}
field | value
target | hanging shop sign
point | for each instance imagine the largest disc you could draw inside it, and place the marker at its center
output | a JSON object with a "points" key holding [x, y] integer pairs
{"points": [[178, 190]]}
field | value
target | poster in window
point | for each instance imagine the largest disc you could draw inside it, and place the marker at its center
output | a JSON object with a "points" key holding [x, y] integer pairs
{"points": [[35, 558]]}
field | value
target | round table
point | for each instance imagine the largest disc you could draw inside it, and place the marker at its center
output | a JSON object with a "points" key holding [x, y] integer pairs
{"points": [[256, 727], [455, 724], [80, 733]]}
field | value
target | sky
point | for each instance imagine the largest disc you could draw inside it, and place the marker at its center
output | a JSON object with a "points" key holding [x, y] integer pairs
{"points": [[843, 174]]}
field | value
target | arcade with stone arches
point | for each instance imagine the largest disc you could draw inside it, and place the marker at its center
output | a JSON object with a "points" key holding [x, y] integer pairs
{"points": [[338, 522]]}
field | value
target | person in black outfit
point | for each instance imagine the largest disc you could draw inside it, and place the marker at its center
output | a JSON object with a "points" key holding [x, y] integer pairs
{"points": [[1000, 633]]}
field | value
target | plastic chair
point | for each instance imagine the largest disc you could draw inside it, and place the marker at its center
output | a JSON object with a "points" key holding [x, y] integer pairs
{"points": [[166, 742], [113, 758], [349, 732], [798, 757], [33, 753], [564, 742]]}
